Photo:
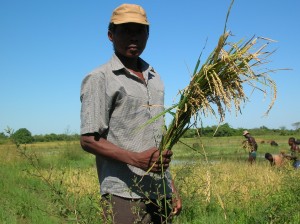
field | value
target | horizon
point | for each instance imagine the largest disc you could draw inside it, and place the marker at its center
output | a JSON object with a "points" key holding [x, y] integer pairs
{"points": [[239, 128]]}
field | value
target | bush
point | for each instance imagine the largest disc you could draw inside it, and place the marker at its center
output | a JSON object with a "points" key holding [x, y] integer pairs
{"points": [[22, 136]]}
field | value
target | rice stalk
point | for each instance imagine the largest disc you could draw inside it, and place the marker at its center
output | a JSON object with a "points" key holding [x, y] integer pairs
{"points": [[222, 205], [208, 187], [218, 86]]}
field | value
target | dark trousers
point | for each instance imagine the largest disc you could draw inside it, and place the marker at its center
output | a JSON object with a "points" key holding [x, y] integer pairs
{"points": [[118, 210]]}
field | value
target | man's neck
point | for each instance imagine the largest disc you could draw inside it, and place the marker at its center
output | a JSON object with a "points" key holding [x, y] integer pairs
{"points": [[130, 63]]}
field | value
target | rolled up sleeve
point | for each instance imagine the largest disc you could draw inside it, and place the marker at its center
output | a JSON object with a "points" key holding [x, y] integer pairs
{"points": [[94, 115]]}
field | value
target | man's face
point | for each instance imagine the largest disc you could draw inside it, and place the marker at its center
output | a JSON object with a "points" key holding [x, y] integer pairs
{"points": [[129, 39]]}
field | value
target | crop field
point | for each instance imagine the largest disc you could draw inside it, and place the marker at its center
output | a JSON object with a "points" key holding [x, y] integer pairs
{"points": [[56, 182]]}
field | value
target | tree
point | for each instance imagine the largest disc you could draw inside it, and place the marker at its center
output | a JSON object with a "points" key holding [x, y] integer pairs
{"points": [[190, 133], [224, 130], [282, 128], [264, 128], [296, 125], [22, 136], [2, 135], [3, 138]]}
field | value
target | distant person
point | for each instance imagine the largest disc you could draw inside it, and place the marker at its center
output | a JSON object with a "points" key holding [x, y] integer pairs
{"points": [[251, 146], [294, 147], [273, 143], [275, 160], [297, 142], [294, 152]]}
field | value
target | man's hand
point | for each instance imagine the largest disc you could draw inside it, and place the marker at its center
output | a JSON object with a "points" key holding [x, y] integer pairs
{"points": [[177, 206], [151, 160], [176, 200]]}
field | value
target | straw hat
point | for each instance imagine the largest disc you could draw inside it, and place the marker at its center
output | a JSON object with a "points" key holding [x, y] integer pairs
{"points": [[129, 13], [245, 132]]}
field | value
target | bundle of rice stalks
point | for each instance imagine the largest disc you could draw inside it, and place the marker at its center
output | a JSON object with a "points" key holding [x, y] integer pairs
{"points": [[219, 84]]}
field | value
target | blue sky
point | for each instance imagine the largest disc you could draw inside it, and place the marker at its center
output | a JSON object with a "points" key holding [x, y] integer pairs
{"points": [[47, 47]]}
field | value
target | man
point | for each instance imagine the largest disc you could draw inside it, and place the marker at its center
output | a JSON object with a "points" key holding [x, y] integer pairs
{"points": [[251, 146], [117, 99], [294, 152], [275, 160], [294, 147]]}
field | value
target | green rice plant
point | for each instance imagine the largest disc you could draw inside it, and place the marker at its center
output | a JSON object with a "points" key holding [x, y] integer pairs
{"points": [[218, 84]]}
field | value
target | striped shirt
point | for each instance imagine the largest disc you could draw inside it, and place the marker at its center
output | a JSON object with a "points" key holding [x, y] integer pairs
{"points": [[116, 104]]}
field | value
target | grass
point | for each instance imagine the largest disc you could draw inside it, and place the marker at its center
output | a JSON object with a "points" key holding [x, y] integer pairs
{"points": [[222, 189], [235, 192], [225, 147], [226, 189], [46, 184], [19, 196]]}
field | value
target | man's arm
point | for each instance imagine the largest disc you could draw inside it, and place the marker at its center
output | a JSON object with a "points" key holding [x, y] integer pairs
{"points": [[290, 157], [150, 158]]}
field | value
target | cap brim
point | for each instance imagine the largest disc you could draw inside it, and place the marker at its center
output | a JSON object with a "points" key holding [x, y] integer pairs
{"points": [[117, 22]]}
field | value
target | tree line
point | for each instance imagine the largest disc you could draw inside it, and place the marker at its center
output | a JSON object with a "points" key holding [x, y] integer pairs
{"points": [[24, 136], [226, 130]]}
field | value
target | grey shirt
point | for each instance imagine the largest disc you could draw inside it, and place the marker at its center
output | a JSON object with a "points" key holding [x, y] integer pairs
{"points": [[117, 104]]}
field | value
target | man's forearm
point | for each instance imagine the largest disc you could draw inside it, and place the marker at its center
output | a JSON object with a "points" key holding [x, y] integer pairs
{"points": [[107, 149]]}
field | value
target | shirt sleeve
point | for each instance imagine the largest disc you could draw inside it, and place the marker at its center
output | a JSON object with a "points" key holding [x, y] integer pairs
{"points": [[94, 114]]}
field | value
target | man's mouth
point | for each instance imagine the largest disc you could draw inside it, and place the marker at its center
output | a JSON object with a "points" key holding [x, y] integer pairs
{"points": [[133, 47]]}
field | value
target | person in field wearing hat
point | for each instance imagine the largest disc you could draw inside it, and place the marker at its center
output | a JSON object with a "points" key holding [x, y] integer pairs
{"points": [[251, 146], [117, 99]]}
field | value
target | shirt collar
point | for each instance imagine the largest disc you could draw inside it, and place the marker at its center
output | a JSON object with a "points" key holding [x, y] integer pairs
{"points": [[118, 65]]}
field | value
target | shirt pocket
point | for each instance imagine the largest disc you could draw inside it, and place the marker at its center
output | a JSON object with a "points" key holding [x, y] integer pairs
{"points": [[130, 104]]}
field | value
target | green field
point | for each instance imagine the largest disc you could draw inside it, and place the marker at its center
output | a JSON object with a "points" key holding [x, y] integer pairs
{"points": [[57, 183]]}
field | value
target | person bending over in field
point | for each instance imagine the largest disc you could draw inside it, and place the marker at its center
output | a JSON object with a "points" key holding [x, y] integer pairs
{"points": [[276, 160], [251, 146], [293, 156]]}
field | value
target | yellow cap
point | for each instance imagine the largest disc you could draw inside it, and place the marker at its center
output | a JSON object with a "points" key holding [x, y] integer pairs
{"points": [[245, 132], [129, 13]]}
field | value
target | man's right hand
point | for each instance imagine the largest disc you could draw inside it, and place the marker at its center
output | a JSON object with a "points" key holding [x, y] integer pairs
{"points": [[151, 160]]}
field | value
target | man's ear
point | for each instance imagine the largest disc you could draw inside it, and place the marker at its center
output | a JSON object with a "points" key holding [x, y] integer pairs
{"points": [[110, 35]]}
